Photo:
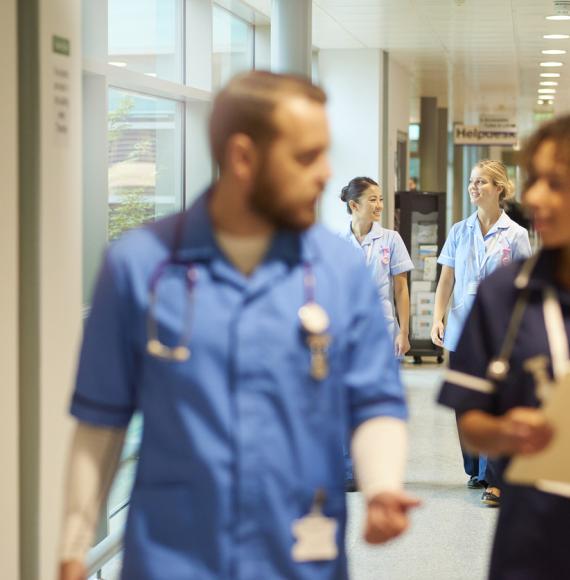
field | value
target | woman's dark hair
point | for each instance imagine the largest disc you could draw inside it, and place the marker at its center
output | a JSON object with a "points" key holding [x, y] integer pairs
{"points": [[354, 190], [556, 131]]}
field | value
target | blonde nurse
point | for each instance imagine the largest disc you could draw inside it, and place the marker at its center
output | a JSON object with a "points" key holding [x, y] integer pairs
{"points": [[474, 248]]}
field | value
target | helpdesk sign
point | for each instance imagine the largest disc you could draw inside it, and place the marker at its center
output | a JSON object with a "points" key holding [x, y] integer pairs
{"points": [[484, 135]]}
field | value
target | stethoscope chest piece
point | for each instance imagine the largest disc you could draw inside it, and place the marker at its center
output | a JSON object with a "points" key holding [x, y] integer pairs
{"points": [[178, 353], [498, 369]]}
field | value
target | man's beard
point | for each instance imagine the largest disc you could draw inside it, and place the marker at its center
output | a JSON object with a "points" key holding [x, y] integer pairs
{"points": [[265, 201]]}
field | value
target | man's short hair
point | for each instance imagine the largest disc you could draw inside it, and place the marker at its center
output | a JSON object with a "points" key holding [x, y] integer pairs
{"points": [[247, 103]]}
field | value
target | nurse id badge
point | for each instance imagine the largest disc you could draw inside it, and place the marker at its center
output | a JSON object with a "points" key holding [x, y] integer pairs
{"points": [[315, 535]]}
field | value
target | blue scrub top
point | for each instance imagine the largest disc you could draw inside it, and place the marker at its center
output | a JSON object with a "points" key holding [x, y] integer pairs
{"points": [[473, 257], [386, 256], [237, 439], [531, 539]]}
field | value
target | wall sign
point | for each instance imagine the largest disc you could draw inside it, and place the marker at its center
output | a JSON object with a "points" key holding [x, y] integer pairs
{"points": [[484, 135]]}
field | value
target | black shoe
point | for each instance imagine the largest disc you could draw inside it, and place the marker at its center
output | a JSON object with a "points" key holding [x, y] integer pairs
{"points": [[350, 486], [474, 483], [490, 499]]}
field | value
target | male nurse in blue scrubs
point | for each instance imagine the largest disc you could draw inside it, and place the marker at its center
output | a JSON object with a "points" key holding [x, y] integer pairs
{"points": [[251, 341]]}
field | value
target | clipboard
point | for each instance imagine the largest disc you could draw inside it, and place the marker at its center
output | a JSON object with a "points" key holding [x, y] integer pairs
{"points": [[549, 470]]}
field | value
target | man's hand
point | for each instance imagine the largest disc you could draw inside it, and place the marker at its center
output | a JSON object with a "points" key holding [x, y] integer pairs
{"points": [[402, 344], [525, 430], [387, 516], [72, 570], [436, 334]]}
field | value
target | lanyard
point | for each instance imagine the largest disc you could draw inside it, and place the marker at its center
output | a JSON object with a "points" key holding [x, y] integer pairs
{"points": [[313, 317], [480, 264], [556, 332]]}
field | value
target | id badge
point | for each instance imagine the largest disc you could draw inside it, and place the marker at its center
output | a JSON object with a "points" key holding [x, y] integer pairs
{"points": [[315, 534], [472, 288], [385, 255], [316, 539]]}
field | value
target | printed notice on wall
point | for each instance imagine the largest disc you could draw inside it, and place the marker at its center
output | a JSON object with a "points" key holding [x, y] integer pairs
{"points": [[61, 90]]}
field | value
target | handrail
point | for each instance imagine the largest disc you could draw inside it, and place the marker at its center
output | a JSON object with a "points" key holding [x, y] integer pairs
{"points": [[106, 549]]}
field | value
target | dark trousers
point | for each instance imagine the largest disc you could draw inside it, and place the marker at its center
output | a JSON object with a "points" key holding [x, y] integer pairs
{"points": [[479, 466]]}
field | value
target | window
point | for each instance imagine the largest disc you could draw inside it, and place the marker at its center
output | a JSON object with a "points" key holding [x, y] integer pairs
{"points": [[145, 159], [233, 40], [148, 77], [147, 36]]}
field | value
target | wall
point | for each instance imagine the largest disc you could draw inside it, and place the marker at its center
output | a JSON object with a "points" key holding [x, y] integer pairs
{"points": [[353, 80], [9, 482], [398, 121], [50, 322]]}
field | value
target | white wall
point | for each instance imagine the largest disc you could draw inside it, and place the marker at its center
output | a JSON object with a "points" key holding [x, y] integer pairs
{"points": [[353, 80], [399, 106], [9, 482], [59, 273]]}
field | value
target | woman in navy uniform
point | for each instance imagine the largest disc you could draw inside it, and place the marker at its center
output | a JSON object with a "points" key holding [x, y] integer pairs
{"points": [[514, 350]]}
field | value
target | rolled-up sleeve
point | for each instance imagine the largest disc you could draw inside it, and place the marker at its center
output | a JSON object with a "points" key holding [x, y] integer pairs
{"points": [[104, 391]]}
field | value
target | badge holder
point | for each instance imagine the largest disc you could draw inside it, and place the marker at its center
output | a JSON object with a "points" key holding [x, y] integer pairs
{"points": [[315, 534], [315, 322]]}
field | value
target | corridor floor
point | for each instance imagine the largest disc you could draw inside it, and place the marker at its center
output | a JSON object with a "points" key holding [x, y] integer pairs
{"points": [[451, 534]]}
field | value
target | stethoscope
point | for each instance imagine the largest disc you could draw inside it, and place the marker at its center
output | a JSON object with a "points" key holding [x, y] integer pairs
{"points": [[312, 316], [499, 367]]}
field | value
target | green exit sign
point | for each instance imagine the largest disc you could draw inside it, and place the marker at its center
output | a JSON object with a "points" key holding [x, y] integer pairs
{"points": [[60, 45]]}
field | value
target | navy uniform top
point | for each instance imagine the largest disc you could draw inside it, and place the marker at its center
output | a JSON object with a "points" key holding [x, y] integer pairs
{"points": [[466, 385], [238, 438], [533, 528]]}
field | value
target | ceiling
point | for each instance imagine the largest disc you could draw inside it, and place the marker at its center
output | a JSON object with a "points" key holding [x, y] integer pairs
{"points": [[475, 56]]}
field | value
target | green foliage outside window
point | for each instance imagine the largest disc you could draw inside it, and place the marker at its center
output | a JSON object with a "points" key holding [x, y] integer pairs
{"points": [[133, 210]]}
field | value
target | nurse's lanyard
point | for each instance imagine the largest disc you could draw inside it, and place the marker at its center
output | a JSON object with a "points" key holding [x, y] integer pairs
{"points": [[499, 367], [313, 317], [480, 264]]}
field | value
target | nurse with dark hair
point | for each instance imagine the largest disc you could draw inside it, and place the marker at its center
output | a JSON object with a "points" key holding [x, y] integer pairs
{"points": [[512, 354], [385, 255], [388, 261]]}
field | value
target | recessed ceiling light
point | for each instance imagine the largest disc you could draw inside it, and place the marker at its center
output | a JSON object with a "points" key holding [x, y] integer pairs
{"points": [[550, 75], [551, 102], [558, 17], [149, 74], [556, 36], [540, 102], [547, 91], [548, 84], [554, 51], [550, 64], [117, 63]]}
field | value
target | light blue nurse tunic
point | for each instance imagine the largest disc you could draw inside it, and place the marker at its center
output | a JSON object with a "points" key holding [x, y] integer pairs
{"points": [[474, 257], [386, 256], [238, 438]]}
